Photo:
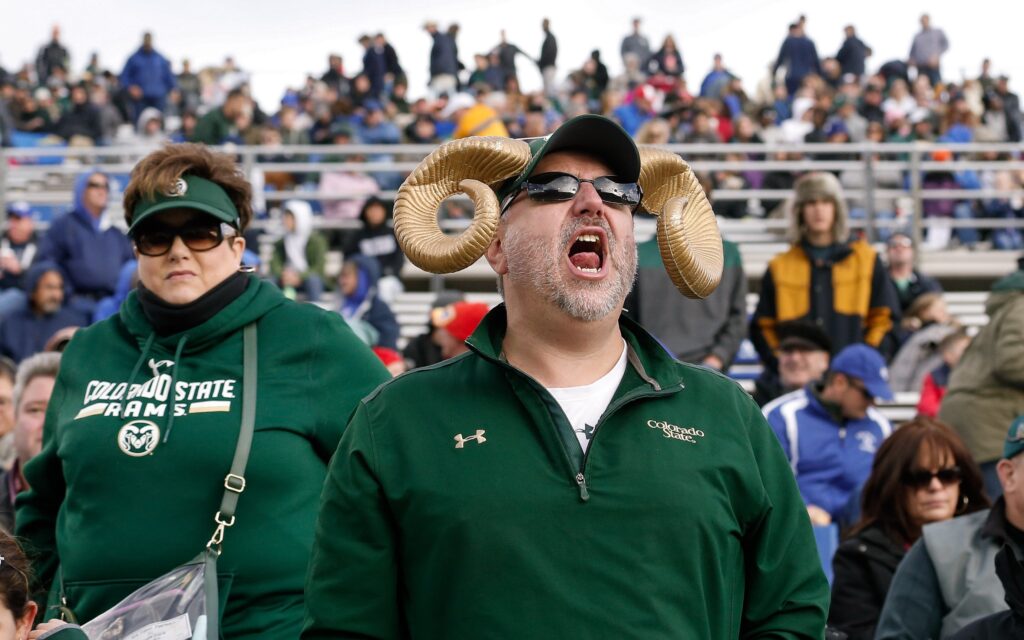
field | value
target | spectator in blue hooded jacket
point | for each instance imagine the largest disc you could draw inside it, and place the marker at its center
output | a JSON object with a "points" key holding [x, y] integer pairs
{"points": [[830, 430], [126, 281], [148, 78], [359, 302], [25, 332], [88, 251]]}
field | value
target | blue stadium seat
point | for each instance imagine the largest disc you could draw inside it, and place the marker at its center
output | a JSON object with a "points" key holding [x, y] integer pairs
{"points": [[27, 140], [827, 539]]}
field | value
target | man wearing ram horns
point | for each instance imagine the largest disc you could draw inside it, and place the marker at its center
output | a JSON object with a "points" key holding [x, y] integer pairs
{"points": [[565, 477]]}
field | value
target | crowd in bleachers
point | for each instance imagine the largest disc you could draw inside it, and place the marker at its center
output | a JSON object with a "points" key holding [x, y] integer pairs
{"points": [[838, 326], [806, 97]]}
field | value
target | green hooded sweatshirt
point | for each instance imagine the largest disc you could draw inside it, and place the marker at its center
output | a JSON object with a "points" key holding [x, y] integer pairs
{"points": [[140, 433], [461, 505]]}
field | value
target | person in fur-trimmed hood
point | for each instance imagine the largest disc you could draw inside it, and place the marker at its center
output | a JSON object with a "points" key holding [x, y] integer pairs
{"points": [[826, 277]]}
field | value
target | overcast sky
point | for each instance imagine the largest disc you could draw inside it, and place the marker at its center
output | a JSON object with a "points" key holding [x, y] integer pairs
{"points": [[279, 41]]}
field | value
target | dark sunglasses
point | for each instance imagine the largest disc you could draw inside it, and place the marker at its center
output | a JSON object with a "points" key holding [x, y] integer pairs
{"points": [[156, 240], [921, 478], [98, 185], [560, 187]]}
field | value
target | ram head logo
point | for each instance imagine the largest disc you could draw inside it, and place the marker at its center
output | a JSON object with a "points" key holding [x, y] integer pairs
{"points": [[138, 438]]}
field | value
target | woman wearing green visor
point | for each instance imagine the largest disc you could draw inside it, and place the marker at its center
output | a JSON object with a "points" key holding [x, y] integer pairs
{"points": [[146, 413]]}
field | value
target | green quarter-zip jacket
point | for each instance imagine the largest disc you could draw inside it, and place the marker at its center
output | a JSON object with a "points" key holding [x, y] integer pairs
{"points": [[140, 433], [461, 505]]}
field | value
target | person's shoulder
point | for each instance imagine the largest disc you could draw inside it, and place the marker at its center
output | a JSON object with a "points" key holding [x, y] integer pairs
{"points": [[878, 420], [707, 378], [790, 253], [866, 540], [88, 341], [299, 314], [792, 401], [439, 381], [862, 248], [959, 528]]}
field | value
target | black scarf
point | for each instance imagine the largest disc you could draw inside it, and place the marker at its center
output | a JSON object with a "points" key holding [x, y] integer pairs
{"points": [[168, 318]]}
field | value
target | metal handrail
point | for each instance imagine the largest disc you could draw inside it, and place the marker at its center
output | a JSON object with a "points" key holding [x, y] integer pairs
{"points": [[868, 158]]}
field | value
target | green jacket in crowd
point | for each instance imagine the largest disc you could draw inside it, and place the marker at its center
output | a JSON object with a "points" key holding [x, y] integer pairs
{"points": [[461, 505], [214, 128], [316, 256], [140, 433], [986, 388]]}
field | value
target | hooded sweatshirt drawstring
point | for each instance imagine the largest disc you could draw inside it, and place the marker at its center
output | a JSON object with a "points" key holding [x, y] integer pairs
{"points": [[169, 403], [174, 383], [142, 358]]}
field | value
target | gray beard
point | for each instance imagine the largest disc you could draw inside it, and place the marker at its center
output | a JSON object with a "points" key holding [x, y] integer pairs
{"points": [[536, 265]]}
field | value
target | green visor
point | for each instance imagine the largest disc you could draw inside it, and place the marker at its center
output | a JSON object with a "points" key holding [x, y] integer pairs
{"points": [[590, 134], [189, 192]]}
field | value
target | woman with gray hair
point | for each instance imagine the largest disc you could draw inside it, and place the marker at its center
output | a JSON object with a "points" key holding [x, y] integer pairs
{"points": [[826, 277]]}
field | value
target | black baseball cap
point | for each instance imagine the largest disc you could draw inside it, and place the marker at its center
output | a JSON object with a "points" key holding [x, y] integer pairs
{"points": [[591, 134], [802, 336]]}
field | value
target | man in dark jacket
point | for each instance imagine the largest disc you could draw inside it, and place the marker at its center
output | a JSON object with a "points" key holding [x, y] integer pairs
{"points": [[334, 77], [546, 62], [88, 251], [147, 77], [52, 56], [507, 53], [799, 56], [374, 66], [82, 119], [1011, 107], [444, 63], [852, 53], [910, 283], [26, 331]]}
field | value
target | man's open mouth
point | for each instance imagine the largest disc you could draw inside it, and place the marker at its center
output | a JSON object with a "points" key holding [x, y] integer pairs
{"points": [[587, 252]]}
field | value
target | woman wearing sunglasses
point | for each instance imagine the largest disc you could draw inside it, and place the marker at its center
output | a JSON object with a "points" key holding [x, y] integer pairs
{"points": [[146, 413], [922, 473]]}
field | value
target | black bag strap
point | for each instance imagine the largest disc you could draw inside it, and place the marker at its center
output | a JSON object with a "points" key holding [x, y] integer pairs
{"points": [[234, 482]]}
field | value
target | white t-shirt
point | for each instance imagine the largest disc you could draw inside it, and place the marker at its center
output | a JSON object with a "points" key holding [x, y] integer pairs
{"points": [[583, 406]]}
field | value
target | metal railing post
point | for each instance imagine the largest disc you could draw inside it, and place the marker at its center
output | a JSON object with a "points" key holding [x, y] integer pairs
{"points": [[917, 222], [869, 193], [3, 184]]}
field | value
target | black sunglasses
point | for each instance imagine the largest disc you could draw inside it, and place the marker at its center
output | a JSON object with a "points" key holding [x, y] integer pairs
{"points": [[560, 187], [156, 240], [921, 478], [98, 185]]}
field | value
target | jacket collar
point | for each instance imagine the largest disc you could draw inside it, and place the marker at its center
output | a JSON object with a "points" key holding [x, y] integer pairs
{"points": [[645, 354], [995, 523]]}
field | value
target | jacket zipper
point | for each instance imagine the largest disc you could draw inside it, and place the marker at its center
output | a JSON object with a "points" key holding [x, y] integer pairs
{"points": [[581, 476]]}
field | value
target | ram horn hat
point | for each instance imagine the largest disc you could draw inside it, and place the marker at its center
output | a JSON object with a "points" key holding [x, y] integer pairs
{"points": [[487, 169]]}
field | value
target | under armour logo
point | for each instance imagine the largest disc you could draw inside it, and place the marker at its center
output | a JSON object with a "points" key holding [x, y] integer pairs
{"points": [[587, 430], [460, 442]]}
